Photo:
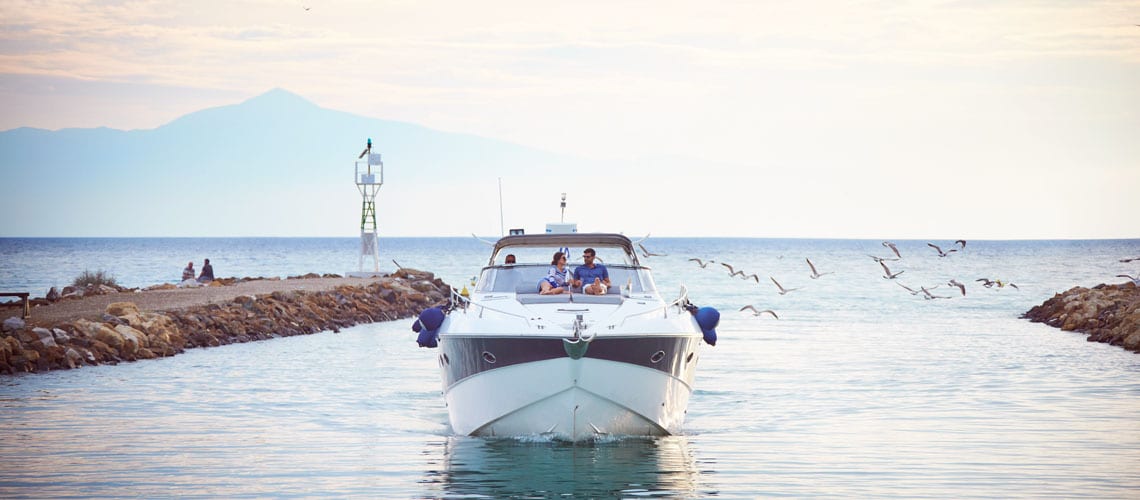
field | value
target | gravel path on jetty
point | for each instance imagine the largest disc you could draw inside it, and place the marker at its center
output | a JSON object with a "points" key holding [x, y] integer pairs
{"points": [[92, 307]]}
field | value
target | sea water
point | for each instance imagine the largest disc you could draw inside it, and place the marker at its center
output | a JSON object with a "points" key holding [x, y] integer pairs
{"points": [[859, 389]]}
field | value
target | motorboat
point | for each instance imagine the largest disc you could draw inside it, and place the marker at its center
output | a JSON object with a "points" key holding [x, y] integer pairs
{"points": [[570, 366]]}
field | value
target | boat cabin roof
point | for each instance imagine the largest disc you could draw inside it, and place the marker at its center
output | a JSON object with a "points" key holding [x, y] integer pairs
{"points": [[507, 244]]}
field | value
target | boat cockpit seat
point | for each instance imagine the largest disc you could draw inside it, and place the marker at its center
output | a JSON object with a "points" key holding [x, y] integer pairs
{"points": [[581, 298], [534, 298]]}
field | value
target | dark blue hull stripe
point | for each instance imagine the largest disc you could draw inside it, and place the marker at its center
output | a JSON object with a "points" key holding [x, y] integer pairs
{"points": [[462, 357]]}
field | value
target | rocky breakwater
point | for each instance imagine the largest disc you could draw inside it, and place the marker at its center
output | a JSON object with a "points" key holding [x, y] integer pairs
{"points": [[127, 333], [1107, 313]]}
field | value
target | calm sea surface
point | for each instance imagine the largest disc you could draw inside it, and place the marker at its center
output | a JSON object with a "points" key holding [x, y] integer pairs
{"points": [[859, 389]]}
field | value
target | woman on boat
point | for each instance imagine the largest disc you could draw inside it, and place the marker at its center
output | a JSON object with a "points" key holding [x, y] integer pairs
{"points": [[555, 281]]}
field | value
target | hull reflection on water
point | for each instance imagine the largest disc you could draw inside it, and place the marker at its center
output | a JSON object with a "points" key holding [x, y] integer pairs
{"points": [[507, 467]]}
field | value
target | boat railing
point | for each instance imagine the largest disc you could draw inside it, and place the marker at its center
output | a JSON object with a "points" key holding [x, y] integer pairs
{"points": [[679, 302], [465, 302], [682, 298]]}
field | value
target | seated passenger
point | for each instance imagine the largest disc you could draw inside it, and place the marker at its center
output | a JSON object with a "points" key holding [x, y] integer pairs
{"points": [[595, 276], [510, 259], [555, 281]]}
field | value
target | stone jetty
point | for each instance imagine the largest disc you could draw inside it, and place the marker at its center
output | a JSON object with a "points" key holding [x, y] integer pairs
{"points": [[1106, 313], [134, 326]]}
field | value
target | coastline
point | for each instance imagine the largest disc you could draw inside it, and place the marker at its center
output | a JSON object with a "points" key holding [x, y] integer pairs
{"points": [[144, 324], [1106, 313]]}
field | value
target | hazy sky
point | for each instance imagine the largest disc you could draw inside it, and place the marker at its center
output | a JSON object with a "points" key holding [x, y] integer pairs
{"points": [[977, 119]]}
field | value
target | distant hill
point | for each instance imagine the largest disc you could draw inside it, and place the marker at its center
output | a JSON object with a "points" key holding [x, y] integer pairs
{"points": [[274, 165]]}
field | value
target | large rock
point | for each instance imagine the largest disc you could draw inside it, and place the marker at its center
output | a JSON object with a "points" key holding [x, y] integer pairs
{"points": [[102, 333], [45, 337], [121, 309], [1107, 313], [133, 340], [13, 324], [61, 337], [9, 350]]}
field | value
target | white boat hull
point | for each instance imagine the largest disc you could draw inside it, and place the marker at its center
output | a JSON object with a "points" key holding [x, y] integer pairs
{"points": [[577, 399]]}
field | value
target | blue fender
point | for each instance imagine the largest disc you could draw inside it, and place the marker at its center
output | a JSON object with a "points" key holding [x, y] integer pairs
{"points": [[708, 318], [427, 325]]}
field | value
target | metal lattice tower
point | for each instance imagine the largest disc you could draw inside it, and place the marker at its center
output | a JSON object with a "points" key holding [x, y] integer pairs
{"points": [[368, 185]]}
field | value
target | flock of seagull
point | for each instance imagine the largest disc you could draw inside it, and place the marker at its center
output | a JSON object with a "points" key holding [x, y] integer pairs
{"points": [[924, 291], [894, 256]]}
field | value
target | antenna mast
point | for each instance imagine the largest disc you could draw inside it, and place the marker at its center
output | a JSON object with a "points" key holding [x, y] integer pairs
{"points": [[562, 227]]}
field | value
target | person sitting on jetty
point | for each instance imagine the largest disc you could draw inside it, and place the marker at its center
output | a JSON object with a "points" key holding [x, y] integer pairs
{"points": [[207, 273], [555, 281], [188, 273]]}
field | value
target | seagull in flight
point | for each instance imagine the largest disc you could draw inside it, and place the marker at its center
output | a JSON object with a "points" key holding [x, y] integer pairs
{"points": [[954, 282], [753, 276], [732, 272], [889, 275], [880, 259], [1129, 260], [757, 312], [928, 296], [909, 289], [650, 254], [893, 248], [781, 288], [701, 263], [988, 283], [1135, 280], [816, 274], [960, 242], [940, 252]]}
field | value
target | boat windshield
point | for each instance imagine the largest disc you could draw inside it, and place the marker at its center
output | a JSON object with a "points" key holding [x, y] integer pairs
{"points": [[605, 254], [524, 278]]}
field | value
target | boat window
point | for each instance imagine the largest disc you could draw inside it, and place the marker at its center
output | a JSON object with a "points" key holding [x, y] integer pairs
{"points": [[646, 279], [506, 279], [517, 278], [607, 255], [484, 278]]}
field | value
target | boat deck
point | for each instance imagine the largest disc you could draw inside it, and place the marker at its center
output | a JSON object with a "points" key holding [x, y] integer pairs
{"points": [[570, 298]]}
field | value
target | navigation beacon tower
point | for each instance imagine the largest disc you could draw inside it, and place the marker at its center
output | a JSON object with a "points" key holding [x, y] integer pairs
{"points": [[368, 184]]}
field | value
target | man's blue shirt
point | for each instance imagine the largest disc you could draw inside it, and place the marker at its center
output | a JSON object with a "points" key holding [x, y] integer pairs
{"points": [[587, 275]]}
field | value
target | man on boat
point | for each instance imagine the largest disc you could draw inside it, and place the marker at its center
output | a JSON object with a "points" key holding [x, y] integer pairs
{"points": [[595, 275]]}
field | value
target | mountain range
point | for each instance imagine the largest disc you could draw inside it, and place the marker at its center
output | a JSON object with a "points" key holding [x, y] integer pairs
{"points": [[274, 165]]}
